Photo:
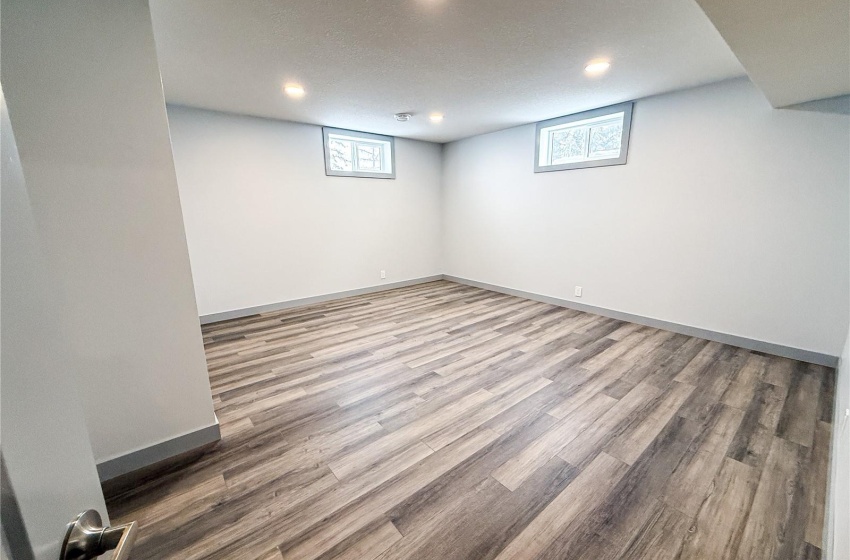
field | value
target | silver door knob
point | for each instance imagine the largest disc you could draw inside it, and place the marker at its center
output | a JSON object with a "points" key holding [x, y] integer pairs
{"points": [[86, 538]]}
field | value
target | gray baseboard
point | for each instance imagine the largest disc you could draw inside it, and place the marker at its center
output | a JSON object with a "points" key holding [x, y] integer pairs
{"points": [[163, 451], [725, 338], [237, 313]]}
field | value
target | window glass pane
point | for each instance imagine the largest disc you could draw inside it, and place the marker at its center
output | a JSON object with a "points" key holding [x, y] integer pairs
{"points": [[340, 152], [568, 144], [605, 140], [591, 139], [369, 157], [349, 153]]}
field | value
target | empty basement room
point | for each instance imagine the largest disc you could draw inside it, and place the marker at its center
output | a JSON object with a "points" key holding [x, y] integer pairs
{"points": [[425, 279]]}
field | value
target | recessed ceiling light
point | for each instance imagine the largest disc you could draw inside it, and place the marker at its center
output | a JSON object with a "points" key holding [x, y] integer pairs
{"points": [[294, 90], [436, 117], [597, 66]]}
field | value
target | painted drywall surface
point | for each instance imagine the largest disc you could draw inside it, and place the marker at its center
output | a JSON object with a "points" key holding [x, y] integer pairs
{"points": [[265, 224], [85, 99], [47, 458], [486, 64], [837, 530], [778, 48], [838, 517], [729, 216]]}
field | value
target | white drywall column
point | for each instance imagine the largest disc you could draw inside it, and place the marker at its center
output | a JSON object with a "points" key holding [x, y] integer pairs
{"points": [[85, 99]]}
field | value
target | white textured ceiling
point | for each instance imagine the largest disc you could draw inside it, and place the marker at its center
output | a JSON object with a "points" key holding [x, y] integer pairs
{"points": [[794, 50], [486, 64]]}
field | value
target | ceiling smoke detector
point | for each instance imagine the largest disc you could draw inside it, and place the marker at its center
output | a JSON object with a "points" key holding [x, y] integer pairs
{"points": [[402, 117]]}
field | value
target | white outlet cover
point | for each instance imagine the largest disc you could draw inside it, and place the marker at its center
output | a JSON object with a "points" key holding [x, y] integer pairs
{"points": [[578, 291]]}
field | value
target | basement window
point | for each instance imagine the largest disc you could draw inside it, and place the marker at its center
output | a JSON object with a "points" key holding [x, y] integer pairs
{"points": [[590, 139], [358, 154]]}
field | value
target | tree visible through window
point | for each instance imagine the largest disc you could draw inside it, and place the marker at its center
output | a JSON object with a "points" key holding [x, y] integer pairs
{"points": [[568, 144], [340, 151], [369, 157]]}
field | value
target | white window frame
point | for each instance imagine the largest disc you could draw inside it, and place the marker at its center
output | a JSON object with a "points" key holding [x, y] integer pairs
{"points": [[365, 138], [543, 137]]}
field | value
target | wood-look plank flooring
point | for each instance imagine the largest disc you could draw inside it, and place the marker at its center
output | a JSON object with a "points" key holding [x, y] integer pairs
{"points": [[442, 421]]}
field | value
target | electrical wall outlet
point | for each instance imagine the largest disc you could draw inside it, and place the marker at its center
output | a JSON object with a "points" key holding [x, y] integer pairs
{"points": [[383, 274], [578, 291]]}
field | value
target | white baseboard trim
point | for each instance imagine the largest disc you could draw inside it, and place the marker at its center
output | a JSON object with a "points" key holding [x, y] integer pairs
{"points": [[162, 451], [248, 311], [808, 356]]}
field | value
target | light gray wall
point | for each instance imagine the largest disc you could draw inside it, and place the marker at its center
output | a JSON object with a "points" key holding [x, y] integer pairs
{"points": [[265, 225], [838, 502], [85, 98], [838, 517], [47, 459], [728, 216]]}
